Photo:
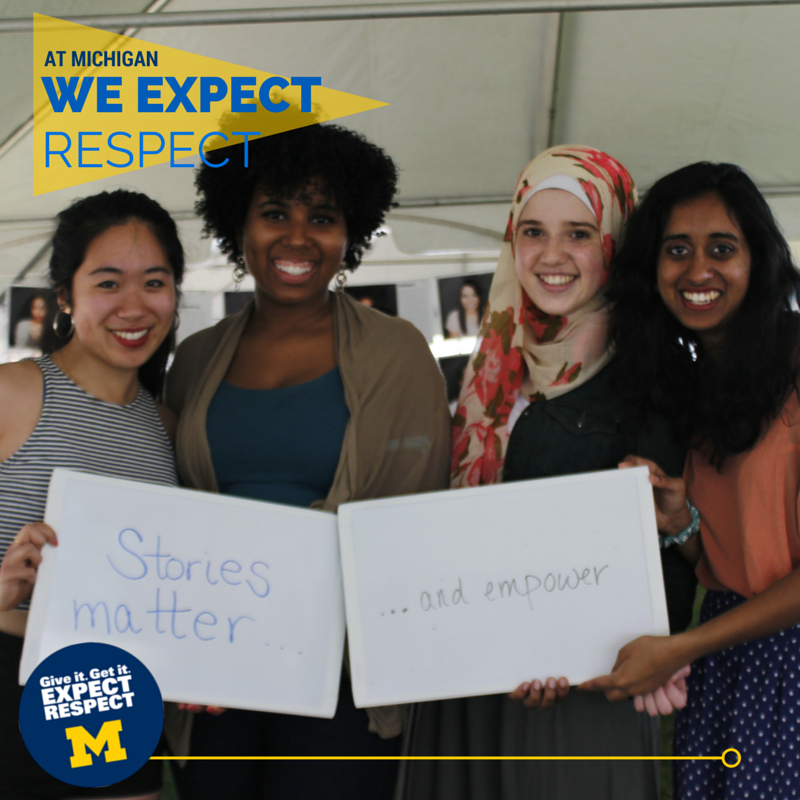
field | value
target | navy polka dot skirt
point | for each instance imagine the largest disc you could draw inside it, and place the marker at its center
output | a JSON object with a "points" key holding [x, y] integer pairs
{"points": [[747, 697]]}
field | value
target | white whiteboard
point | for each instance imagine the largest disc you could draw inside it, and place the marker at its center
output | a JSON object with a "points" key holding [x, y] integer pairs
{"points": [[473, 591], [228, 602]]}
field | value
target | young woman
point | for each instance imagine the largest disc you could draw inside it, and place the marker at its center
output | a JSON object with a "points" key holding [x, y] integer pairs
{"points": [[309, 398], [116, 266], [28, 331], [466, 319], [538, 401], [706, 318]]}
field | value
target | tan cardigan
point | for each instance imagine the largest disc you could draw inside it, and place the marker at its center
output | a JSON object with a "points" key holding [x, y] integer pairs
{"points": [[396, 442]]}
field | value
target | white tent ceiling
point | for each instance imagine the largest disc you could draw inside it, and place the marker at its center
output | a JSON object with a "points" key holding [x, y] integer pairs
{"points": [[470, 103]]}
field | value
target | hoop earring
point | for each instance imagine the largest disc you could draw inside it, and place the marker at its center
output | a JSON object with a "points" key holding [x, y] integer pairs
{"points": [[57, 326], [341, 280], [239, 271]]}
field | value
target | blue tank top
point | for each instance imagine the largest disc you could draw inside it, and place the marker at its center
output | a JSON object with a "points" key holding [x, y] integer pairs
{"points": [[280, 445]]}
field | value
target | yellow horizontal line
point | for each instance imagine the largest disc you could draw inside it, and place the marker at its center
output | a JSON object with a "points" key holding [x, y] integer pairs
{"points": [[436, 758]]}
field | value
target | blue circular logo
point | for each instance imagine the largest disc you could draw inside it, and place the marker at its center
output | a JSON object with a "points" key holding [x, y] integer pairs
{"points": [[91, 714]]}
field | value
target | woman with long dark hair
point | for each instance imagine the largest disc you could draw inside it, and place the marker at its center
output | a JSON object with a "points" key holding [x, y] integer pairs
{"points": [[91, 405], [466, 319], [706, 327], [28, 330]]}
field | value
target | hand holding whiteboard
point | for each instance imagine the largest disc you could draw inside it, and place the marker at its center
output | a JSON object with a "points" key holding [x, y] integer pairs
{"points": [[228, 602], [473, 591]]}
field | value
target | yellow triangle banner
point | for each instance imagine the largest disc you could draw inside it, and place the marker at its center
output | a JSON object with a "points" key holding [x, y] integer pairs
{"points": [[105, 104]]}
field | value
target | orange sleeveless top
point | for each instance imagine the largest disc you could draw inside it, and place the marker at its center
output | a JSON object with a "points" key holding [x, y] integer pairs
{"points": [[750, 509]]}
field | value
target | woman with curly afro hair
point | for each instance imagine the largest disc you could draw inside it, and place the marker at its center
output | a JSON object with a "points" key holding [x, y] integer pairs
{"points": [[306, 397]]}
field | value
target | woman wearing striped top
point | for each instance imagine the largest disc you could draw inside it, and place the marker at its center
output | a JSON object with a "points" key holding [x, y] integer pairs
{"points": [[115, 268]]}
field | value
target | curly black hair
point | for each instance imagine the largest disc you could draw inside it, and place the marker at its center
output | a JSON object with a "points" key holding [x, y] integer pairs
{"points": [[357, 175], [723, 403]]}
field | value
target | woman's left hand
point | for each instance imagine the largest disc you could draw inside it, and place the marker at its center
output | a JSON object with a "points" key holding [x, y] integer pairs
{"points": [[670, 697], [642, 666], [541, 695], [669, 494]]}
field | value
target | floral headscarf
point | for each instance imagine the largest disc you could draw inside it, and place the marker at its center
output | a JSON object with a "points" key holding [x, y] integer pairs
{"points": [[522, 349]]}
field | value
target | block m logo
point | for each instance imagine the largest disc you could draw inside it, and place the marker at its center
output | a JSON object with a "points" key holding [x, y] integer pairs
{"points": [[108, 736]]}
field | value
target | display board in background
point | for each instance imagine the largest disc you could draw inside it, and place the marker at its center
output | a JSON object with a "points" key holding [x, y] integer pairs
{"points": [[381, 297], [236, 301], [472, 592], [416, 303], [453, 368], [27, 309], [228, 602], [196, 313], [462, 301]]}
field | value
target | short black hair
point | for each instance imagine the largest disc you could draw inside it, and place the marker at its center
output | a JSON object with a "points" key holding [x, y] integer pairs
{"points": [[725, 403], [78, 226], [357, 175]]}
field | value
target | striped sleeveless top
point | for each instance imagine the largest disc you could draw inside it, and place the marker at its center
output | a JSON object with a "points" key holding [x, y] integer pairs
{"points": [[78, 431]]}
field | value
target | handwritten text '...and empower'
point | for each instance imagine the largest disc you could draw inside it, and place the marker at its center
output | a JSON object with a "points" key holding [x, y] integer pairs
{"points": [[509, 588]]}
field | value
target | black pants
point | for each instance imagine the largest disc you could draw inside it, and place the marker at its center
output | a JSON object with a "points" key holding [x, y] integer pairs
{"points": [[245, 733], [21, 778]]}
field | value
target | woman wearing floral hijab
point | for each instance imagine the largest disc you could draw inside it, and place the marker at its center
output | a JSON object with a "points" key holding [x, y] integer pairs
{"points": [[538, 401]]}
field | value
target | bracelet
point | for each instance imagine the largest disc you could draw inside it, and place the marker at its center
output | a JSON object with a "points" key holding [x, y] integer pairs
{"points": [[690, 530]]}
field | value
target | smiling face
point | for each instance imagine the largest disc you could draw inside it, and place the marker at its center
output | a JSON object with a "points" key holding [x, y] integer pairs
{"points": [[123, 297], [38, 309], [703, 267], [293, 247], [558, 252], [469, 299]]}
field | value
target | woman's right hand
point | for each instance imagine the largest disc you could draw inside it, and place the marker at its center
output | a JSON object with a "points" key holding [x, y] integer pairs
{"points": [[672, 515], [21, 562]]}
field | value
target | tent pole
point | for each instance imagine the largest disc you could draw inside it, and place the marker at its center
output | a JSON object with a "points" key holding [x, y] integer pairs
{"points": [[465, 8], [552, 105], [544, 111]]}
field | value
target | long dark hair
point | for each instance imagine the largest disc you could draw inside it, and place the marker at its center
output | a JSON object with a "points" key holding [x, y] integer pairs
{"points": [[462, 315], [81, 223], [726, 402]]}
